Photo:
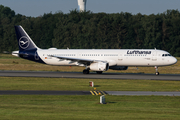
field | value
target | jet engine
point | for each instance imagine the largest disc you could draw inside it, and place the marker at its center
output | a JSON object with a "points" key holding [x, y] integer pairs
{"points": [[100, 66], [118, 67]]}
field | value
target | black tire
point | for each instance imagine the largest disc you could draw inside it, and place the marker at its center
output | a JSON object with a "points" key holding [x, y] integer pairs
{"points": [[85, 71], [157, 73], [99, 72]]}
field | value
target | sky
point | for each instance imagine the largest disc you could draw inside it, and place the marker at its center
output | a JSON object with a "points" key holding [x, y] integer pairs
{"points": [[35, 8]]}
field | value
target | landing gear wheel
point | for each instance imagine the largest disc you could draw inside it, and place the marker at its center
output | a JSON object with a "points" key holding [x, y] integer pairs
{"points": [[85, 71], [99, 72], [157, 73]]}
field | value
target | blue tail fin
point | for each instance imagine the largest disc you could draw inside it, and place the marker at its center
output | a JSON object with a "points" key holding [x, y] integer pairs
{"points": [[24, 41]]}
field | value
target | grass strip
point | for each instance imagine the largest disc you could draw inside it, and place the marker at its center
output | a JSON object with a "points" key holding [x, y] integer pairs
{"points": [[44, 107], [76, 84]]}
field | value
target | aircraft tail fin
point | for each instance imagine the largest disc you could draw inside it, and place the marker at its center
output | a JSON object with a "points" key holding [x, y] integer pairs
{"points": [[24, 41]]}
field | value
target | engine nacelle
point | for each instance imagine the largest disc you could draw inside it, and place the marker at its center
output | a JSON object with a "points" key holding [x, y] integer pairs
{"points": [[100, 66], [118, 67]]}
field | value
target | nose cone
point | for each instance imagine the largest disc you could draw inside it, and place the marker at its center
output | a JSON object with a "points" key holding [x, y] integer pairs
{"points": [[173, 60]]}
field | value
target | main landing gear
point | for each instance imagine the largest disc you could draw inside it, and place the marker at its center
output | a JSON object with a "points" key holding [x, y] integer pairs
{"points": [[99, 72], [157, 73], [85, 71]]}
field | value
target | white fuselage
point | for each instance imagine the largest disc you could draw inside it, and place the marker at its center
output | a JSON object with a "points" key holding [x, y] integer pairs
{"points": [[115, 57]]}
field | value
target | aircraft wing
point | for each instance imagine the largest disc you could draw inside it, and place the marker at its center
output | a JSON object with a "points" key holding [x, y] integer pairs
{"points": [[79, 60]]}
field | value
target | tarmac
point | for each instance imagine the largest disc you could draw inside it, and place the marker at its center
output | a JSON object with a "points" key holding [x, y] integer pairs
{"points": [[120, 76], [119, 93]]}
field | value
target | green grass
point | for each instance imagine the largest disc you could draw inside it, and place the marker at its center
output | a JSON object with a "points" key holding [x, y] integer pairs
{"points": [[8, 56], [23, 83], [43, 107]]}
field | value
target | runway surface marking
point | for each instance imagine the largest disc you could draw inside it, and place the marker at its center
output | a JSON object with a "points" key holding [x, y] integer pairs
{"points": [[89, 76], [98, 92]]}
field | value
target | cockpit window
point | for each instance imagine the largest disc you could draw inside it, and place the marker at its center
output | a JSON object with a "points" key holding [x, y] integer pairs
{"points": [[165, 55]]}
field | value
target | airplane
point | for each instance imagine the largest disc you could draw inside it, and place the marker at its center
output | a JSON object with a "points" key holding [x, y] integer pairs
{"points": [[98, 60]]}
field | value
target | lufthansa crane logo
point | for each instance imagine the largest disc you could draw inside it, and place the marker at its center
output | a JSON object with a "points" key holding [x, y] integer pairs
{"points": [[24, 42]]}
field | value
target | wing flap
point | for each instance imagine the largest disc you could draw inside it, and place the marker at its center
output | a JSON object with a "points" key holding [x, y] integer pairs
{"points": [[79, 60]]}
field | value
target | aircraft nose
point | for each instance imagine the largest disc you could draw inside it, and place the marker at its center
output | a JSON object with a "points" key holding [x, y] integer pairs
{"points": [[174, 60]]}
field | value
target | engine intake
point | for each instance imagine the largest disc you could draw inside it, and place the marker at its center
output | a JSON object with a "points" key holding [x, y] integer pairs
{"points": [[100, 66]]}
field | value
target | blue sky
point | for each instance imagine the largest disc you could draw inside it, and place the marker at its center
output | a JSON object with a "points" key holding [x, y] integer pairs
{"points": [[36, 8]]}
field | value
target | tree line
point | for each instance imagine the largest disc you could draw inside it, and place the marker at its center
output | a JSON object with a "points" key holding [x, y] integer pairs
{"points": [[87, 30]]}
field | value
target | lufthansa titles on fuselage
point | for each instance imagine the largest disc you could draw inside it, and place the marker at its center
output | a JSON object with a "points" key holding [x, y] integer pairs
{"points": [[138, 52]]}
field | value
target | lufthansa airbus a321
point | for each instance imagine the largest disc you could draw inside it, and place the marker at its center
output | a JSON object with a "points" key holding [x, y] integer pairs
{"points": [[98, 60]]}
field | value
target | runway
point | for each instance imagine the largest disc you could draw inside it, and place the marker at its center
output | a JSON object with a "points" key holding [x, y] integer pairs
{"points": [[143, 93], [135, 76], [119, 93]]}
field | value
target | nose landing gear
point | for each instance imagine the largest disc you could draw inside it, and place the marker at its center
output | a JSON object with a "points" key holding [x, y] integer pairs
{"points": [[157, 73]]}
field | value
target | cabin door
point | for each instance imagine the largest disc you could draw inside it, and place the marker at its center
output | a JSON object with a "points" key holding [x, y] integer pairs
{"points": [[120, 57], [154, 55]]}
